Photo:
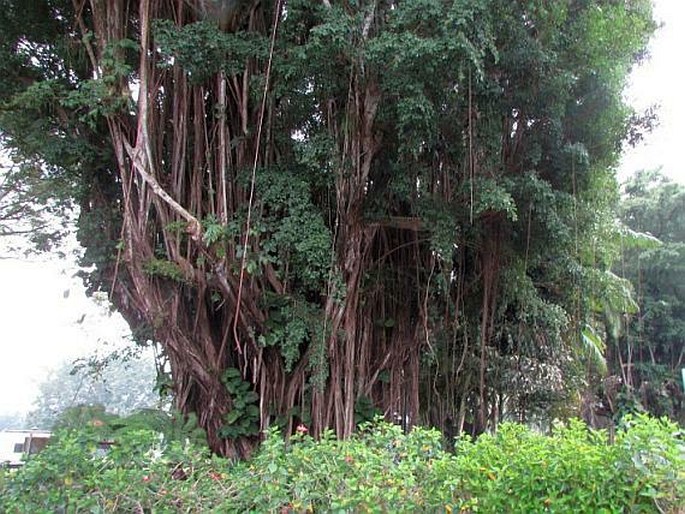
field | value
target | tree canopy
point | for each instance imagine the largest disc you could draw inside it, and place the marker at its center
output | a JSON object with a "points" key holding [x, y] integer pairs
{"points": [[30, 209], [650, 352], [119, 386], [325, 209]]}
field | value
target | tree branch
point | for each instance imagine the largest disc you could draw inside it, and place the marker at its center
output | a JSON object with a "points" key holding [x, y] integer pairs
{"points": [[194, 228]]}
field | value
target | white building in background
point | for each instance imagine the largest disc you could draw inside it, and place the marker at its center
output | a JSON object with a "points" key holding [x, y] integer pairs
{"points": [[15, 444]]}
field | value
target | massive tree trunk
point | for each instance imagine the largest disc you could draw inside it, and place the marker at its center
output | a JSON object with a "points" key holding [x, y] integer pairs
{"points": [[177, 168], [179, 157], [180, 274]]}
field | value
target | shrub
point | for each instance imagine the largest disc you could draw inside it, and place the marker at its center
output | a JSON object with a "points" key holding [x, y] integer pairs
{"points": [[380, 469]]}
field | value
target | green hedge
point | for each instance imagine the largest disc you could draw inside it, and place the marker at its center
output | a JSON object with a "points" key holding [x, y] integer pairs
{"points": [[379, 470]]}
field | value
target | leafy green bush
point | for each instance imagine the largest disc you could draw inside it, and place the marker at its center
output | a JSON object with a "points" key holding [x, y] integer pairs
{"points": [[380, 469], [572, 470], [140, 472]]}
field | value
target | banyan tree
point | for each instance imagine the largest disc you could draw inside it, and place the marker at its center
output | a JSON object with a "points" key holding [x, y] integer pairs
{"points": [[323, 210]]}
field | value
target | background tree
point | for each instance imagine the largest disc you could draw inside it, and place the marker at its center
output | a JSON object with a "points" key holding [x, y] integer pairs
{"points": [[30, 209], [651, 351], [119, 387], [11, 421], [320, 208]]}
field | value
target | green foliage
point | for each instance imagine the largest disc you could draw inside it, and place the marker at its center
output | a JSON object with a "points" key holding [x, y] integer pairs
{"points": [[164, 269], [491, 197], [595, 347], [609, 292], [243, 418], [212, 231], [202, 49], [380, 469], [573, 470], [173, 425], [92, 100], [364, 411], [292, 324], [295, 237]]}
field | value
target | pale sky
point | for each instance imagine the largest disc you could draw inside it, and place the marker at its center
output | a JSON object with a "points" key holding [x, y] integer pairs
{"points": [[660, 80], [46, 320], [40, 326]]}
